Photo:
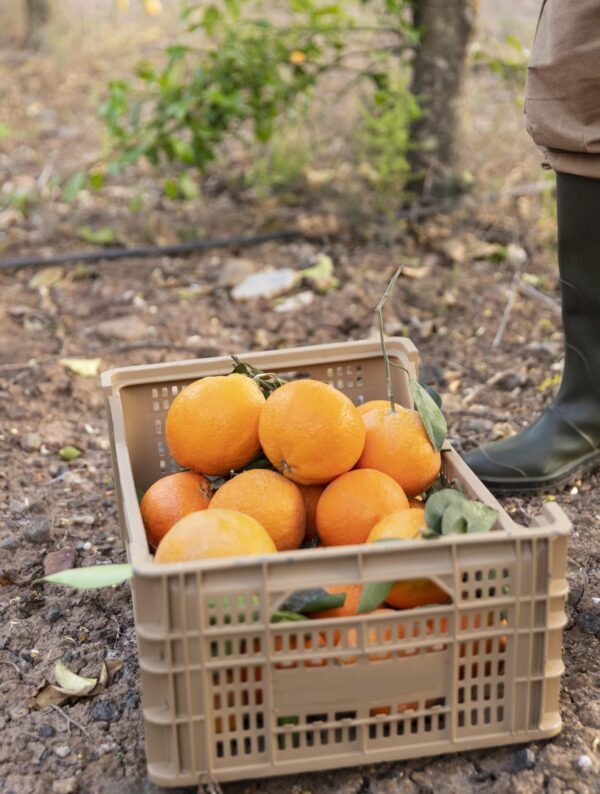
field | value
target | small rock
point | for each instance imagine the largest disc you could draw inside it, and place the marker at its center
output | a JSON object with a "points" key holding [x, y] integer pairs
{"points": [[62, 751], [234, 271], [17, 311], [10, 543], [17, 506], [127, 329], [53, 614], [59, 560], [515, 254], [67, 785], [589, 620], [106, 747], [37, 530], [268, 284], [46, 731], [83, 519], [55, 469], [105, 711], [16, 712], [298, 301], [524, 759], [585, 763], [432, 375], [543, 349], [31, 442], [590, 714]]}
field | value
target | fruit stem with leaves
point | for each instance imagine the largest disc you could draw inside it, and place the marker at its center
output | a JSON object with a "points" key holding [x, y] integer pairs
{"points": [[386, 359]]}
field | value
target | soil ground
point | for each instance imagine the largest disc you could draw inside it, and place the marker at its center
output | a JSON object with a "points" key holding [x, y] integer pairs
{"points": [[174, 308]]}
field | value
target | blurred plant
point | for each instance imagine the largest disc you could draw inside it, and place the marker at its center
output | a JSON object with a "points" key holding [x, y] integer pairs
{"points": [[384, 140], [507, 60], [251, 72]]}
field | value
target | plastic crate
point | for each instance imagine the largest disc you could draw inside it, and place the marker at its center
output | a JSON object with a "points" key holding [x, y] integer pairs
{"points": [[228, 695]]}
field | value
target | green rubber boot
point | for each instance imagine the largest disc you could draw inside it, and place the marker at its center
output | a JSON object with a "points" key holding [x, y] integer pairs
{"points": [[565, 440]]}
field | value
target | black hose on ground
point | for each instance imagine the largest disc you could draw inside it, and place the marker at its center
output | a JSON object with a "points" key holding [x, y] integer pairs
{"points": [[177, 249]]}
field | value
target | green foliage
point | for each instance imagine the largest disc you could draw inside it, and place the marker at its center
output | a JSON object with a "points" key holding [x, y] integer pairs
{"points": [[508, 61], [384, 140], [281, 166], [247, 71]]}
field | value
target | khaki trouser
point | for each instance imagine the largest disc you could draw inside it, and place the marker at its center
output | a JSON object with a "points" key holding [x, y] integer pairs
{"points": [[562, 95]]}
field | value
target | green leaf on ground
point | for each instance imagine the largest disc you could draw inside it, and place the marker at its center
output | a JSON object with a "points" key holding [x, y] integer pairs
{"points": [[102, 236], [321, 274], [92, 577], [69, 452], [431, 416], [74, 185]]}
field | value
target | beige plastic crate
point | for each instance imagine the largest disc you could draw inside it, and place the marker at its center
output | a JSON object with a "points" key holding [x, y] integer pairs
{"points": [[228, 695]]}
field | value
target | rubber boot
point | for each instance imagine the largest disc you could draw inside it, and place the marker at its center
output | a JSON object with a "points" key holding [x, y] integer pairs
{"points": [[565, 440]]}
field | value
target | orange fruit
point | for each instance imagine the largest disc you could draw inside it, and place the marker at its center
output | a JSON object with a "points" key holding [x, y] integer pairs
{"points": [[214, 533], [408, 525], [171, 498], [404, 524], [310, 431], [212, 424], [350, 607], [311, 494], [352, 504], [276, 503], [397, 444], [308, 643]]}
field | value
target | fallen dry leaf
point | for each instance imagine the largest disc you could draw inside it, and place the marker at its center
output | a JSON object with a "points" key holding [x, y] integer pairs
{"points": [[86, 367], [71, 685]]}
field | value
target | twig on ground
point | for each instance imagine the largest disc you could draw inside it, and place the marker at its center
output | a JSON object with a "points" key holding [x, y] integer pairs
{"points": [[507, 310], [11, 664], [531, 292], [71, 721]]}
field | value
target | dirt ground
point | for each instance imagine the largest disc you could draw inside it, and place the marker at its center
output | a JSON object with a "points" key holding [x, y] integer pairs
{"points": [[175, 308]]}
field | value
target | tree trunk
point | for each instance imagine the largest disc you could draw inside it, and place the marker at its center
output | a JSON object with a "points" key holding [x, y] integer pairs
{"points": [[37, 14], [439, 67]]}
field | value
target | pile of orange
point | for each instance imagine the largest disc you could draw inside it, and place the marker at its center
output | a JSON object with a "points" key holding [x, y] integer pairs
{"points": [[338, 475]]}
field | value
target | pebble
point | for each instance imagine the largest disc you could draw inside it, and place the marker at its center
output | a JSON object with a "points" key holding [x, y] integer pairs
{"points": [[31, 442], [83, 519], [62, 751], [106, 747], [67, 785], [16, 506], [585, 763], [268, 284], [37, 530], [10, 544], [46, 731], [127, 329], [56, 469], [524, 759], [515, 254], [59, 560], [298, 301], [235, 270], [105, 711], [53, 614]]}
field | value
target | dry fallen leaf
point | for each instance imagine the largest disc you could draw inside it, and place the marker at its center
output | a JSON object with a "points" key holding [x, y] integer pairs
{"points": [[87, 367], [71, 685], [46, 277]]}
